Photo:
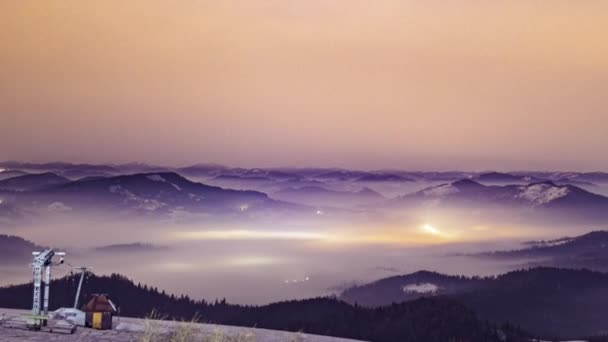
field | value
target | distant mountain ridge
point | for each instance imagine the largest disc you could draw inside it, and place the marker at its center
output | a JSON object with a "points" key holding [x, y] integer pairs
{"points": [[17, 250], [319, 196], [124, 188], [504, 178], [161, 191], [31, 182], [585, 251], [157, 193], [539, 195], [73, 171], [6, 174], [134, 247]]}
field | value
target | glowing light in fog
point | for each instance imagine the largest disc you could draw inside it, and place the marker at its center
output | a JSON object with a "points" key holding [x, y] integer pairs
{"points": [[252, 261], [425, 234], [427, 228], [249, 235]]}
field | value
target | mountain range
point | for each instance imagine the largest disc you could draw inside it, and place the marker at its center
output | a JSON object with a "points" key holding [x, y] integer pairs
{"points": [[146, 190], [561, 201], [146, 193], [74, 171], [545, 194]]}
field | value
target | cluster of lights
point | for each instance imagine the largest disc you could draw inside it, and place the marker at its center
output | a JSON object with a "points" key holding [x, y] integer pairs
{"points": [[296, 281]]}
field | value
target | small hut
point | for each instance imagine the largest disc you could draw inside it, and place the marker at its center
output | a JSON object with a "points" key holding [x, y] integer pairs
{"points": [[98, 312]]}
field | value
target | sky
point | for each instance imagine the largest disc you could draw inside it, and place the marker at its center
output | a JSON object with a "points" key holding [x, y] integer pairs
{"points": [[411, 84]]}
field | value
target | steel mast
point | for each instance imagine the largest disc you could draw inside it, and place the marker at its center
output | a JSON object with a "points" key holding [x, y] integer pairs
{"points": [[83, 270], [42, 260]]}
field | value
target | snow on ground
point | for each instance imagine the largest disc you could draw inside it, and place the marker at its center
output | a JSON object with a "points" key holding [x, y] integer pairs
{"points": [[131, 330]]}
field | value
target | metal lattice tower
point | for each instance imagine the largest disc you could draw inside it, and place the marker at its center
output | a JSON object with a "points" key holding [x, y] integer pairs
{"points": [[42, 260]]}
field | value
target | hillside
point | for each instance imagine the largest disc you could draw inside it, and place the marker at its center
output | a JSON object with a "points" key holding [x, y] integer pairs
{"points": [[545, 301], [421, 320]]}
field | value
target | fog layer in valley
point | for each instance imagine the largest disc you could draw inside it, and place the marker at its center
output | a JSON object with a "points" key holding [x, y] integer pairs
{"points": [[260, 263], [291, 233]]}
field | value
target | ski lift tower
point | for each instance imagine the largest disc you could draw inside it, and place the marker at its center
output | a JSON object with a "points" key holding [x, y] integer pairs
{"points": [[42, 260]]}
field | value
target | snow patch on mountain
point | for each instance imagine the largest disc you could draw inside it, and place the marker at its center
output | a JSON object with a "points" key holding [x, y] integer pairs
{"points": [[159, 178], [117, 189], [441, 190], [542, 193], [140, 202], [156, 178], [58, 207], [421, 288], [150, 204]]}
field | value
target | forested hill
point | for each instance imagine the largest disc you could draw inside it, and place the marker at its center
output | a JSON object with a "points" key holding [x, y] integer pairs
{"points": [[550, 302], [430, 319]]}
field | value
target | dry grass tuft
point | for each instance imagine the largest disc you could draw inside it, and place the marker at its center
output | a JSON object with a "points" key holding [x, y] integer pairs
{"points": [[151, 327], [297, 337], [187, 332], [221, 336]]}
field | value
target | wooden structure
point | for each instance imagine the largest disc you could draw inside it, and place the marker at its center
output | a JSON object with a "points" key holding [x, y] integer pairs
{"points": [[98, 312]]}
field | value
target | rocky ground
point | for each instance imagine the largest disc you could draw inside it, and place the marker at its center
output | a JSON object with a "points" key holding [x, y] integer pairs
{"points": [[139, 330]]}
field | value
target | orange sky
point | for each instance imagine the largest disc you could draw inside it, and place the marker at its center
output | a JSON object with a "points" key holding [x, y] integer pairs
{"points": [[367, 84]]}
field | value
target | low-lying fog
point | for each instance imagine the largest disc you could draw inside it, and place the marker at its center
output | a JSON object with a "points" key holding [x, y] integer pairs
{"points": [[261, 262], [271, 257]]}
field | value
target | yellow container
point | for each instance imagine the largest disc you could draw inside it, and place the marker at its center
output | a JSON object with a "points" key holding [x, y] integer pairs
{"points": [[97, 320]]}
